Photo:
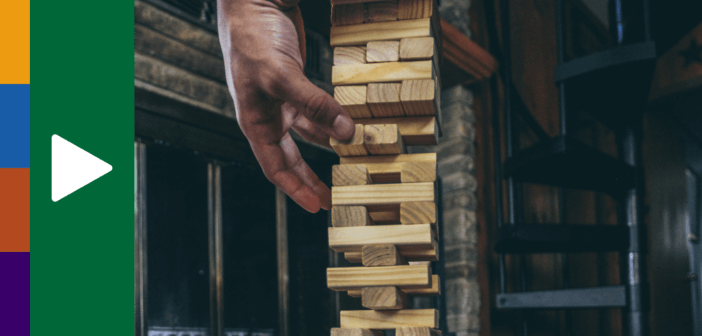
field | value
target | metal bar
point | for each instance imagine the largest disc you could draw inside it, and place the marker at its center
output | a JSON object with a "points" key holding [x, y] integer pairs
{"points": [[598, 297], [140, 269], [281, 229], [215, 246]]}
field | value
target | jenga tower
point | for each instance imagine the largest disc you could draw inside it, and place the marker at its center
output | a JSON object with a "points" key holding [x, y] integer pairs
{"points": [[386, 58]]}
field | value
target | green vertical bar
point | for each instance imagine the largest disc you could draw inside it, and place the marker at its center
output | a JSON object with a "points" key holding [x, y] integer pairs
{"points": [[82, 88]]}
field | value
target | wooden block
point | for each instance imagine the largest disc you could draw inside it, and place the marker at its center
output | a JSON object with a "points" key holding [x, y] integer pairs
{"points": [[383, 100], [369, 161], [361, 34], [391, 216], [405, 237], [383, 51], [343, 216], [380, 11], [349, 55], [434, 290], [414, 9], [350, 175], [381, 72], [384, 298], [383, 319], [355, 332], [418, 97], [417, 331], [416, 48], [353, 100], [349, 14], [383, 139], [345, 278], [418, 212], [415, 131], [381, 194], [381, 255], [354, 257], [353, 147], [414, 172]]}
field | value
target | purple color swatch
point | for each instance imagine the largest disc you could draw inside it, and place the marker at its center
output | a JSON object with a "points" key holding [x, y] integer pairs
{"points": [[14, 293]]}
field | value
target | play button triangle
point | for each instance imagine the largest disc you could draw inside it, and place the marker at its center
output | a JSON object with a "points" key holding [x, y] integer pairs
{"points": [[72, 168]]}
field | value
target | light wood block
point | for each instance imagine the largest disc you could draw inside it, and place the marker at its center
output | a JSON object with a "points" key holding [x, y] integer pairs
{"points": [[349, 55], [418, 97], [415, 131], [386, 159], [414, 9], [353, 147], [343, 216], [355, 332], [345, 278], [348, 14], [382, 319], [417, 48], [418, 212], [383, 100], [380, 11], [434, 290], [382, 51], [381, 255], [350, 175], [379, 31], [353, 99], [381, 194], [384, 298], [417, 331], [383, 139], [381, 72], [405, 237], [353, 257]]}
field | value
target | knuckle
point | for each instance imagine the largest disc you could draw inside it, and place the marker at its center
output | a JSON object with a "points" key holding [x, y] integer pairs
{"points": [[316, 107]]}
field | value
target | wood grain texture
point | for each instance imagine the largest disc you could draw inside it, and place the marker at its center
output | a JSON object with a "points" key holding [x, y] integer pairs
{"points": [[380, 11], [405, 237], [419, 97], [417, 331], [415, 131], [382, 51], [381, 255], [434, 290], [418, 212], [379, 319], [372, 160], [345, 278], [355, 332], [381, 72], [350, 175], [353, 99], [353, 147], [361, 34], [343, 216], [414, 9], [417, 48], [348, 14], [384, 298], [349, 55], [380, 194], [386, 216], [383, 100], [383, 139], [354, 258]]}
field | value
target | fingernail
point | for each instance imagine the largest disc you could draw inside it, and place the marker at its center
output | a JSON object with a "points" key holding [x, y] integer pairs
{"points": [[343, 127]]}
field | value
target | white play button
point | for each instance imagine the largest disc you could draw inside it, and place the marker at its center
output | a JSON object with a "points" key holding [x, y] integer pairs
{"points": [[72, 168]]}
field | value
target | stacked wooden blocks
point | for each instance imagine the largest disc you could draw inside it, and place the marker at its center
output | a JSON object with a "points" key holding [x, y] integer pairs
{"points": [[383, 200]]}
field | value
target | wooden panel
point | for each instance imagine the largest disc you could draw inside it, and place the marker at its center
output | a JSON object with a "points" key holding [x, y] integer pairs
{"points": [[381, 255], [380, 11], [383, 51], [350, 175], [434, 290], [417, 331], [414, 9], [383, 139], [415, 131], [417, 212], [379, 31], [345, 278], [381, 72], [369, 161], [355, 258], [417, 48], [353, 147], [343, 216], [353, 238], [349, 55], [381, 194], [353, 100], [344, 15], [379, 319], [418, 97], [383, 100], [384, 298], [355, 332]]}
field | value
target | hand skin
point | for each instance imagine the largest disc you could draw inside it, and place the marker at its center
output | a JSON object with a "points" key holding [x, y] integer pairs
{"points": [[263, 44]]}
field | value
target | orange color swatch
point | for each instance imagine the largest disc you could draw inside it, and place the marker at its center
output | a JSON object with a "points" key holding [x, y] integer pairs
{"points": [[14, 209], [14, 42]]}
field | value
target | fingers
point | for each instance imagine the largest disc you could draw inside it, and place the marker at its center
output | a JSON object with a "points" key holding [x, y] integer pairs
{"points": [[304, 172]]}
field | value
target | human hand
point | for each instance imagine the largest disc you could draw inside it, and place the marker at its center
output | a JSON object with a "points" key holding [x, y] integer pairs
{"points": [[263, 44]]}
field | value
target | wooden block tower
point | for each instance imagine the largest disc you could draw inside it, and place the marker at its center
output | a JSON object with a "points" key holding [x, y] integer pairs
{"points": [[386, 58]]}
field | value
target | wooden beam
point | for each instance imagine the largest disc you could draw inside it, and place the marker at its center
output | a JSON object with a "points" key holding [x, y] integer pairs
{"points": [[415, 131], [349, 55], [383, 100], [382, 51], [380, 12], [381, 255], [417, 331], [343, 216], [379, 319], [353, 147], [434, 290], [405, 237], [381, 72], [416, 48], [382, 194], [384, 298], [380, 31], [353, 99], [387, 159], [353, 257], [419, 97], [350, 175], [383, 139], [345, 278], [414, 9], [418, 212], [355, 332], [349, 14]]}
